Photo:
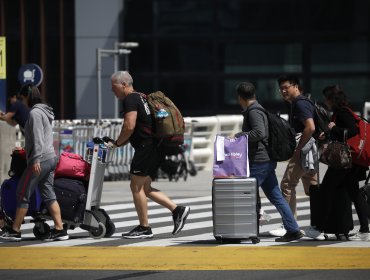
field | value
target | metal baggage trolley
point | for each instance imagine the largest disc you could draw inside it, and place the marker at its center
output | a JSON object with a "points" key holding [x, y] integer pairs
{"points": [[95, 219]]}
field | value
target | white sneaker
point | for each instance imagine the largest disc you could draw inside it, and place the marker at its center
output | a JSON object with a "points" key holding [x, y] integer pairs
{"points": [[313, 233], [360, 236], [281, 231], [264, 217]]}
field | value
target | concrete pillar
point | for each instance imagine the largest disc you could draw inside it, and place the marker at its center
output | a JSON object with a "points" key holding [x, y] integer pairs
{"points": [[7, 143]]}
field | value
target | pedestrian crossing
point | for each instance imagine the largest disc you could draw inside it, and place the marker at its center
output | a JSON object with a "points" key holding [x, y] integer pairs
{"points": [[198, 230]]}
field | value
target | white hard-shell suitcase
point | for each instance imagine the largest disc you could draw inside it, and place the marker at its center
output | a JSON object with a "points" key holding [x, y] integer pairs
{"points": [[234, 208]]}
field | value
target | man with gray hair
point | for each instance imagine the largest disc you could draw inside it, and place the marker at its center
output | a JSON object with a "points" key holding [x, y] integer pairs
{"points": [[138, 130]]}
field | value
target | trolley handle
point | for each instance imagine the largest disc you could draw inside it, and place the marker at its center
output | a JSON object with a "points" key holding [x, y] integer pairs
{"points": [[106, 141]]}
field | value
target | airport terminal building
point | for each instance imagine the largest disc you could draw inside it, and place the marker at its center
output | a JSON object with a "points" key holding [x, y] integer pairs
{"points": [[196, 51]]}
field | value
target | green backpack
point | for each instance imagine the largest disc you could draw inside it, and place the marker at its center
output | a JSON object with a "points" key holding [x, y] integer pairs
{"points": [[169, 124]]}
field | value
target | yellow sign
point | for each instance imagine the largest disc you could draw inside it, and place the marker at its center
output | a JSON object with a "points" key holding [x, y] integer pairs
{"points": [[2, 58]]}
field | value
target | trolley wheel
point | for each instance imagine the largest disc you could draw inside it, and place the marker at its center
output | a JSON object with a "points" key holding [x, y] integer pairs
{"points": [[98, 232], [110, 228], [41, 231], [219, 240]]}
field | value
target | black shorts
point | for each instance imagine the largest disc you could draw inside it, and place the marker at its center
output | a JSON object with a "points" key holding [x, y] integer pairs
{"points": [[146, 161]]}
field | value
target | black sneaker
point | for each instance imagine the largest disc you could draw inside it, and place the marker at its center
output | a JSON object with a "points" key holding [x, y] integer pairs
{"points": [[58, 235], [10, 234], [139, 232], [290, 236], [179, 218]]}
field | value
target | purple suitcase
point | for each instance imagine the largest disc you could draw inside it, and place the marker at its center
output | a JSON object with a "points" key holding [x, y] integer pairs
{"points": [[9, 198]]}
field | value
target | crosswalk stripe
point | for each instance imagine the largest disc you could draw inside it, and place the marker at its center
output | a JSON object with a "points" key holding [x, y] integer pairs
{"points": [[200, 218]]}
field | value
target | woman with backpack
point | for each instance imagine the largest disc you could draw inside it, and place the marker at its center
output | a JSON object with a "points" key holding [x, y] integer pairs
{"points": [[340, 187]]}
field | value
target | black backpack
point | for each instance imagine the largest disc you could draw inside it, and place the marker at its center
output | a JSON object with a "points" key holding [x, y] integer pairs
{"points": [[321, 119], [281, 141], [18, 163]]}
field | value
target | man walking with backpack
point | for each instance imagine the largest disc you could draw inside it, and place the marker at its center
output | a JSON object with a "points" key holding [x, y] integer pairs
{"points": [[138, 130], [262, 167], [302, 119]]}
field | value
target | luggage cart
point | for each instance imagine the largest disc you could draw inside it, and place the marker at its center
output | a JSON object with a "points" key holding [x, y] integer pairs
{"points": [[95, 219]]}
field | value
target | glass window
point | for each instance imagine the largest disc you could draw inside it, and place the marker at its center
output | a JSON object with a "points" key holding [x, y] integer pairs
{"points": [[267, 94], [356, 88], [181, 55], [340, 57], [189, 94], [267, 15], [262, 58], [141, 58], [191, 16]]}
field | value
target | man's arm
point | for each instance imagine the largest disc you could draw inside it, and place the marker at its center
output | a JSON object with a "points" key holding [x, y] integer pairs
{"points": [[309, 129], [8, 117], [128, 127]]}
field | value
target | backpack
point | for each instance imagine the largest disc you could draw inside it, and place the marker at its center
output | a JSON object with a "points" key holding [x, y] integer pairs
{"points": [[169, 125], [360, 143], [281, 141], [321, 118], [18, 163]]}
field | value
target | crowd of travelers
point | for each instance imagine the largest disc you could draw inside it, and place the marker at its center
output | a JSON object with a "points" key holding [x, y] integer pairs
{"points": [[330, 200]]}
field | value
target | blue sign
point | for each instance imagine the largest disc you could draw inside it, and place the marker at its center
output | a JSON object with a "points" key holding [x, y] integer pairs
{"points": [[30, 73]]}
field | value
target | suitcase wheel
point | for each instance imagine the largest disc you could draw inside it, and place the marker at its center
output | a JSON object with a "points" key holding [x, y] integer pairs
{"points": [[98, 232], [219, 240], [41, 230], [255, 240]]}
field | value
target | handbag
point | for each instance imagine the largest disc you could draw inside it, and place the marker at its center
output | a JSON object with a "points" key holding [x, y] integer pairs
{"points": [[336, 154], [73, 166], [230, 157]]}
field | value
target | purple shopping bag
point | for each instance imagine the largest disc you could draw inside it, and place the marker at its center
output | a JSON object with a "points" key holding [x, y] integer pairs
{"points": [[230, 157]]}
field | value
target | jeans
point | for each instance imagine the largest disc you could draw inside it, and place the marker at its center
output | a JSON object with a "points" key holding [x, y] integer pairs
{"points": [[264, 173]]}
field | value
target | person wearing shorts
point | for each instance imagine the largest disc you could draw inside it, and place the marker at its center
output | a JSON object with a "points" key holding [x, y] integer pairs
{"points": [[41, 163], [137, 130]]}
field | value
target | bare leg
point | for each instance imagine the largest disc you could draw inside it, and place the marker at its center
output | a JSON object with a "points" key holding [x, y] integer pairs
{"points": [[54, 211], [158, 196], [19, 217], [140, 200]]}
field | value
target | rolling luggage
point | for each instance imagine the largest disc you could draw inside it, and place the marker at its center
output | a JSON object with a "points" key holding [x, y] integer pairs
{"points": [[234, 208], [9, 198], [71, 196]]}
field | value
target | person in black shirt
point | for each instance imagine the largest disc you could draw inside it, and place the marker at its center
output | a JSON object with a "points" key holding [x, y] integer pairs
{"points": [[17, 113], [302, 120], [137, 129]]}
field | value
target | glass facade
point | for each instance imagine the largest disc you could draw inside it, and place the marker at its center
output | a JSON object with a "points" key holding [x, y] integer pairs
{"points": [[196, 51]]}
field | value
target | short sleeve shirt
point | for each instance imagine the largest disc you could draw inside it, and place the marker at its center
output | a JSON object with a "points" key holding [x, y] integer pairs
{"points": [[302, 109], [143, 131], [21, 113]]}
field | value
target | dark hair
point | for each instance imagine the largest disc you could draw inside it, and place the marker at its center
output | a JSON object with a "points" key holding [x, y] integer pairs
{"points": [[335, 94], [31, 92], [292, 79], [246, 90]]}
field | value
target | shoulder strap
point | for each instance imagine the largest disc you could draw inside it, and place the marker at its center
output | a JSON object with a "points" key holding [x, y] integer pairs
{"points": [[367, 178], [264, 141]]}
